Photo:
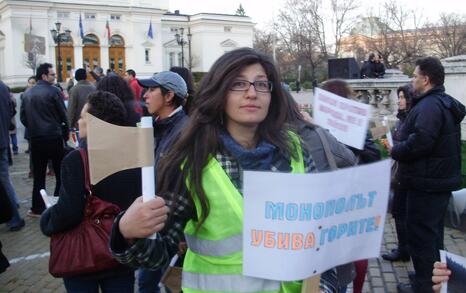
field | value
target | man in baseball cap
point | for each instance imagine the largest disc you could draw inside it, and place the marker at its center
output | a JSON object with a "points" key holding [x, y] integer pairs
{"points": [[164, 98]]}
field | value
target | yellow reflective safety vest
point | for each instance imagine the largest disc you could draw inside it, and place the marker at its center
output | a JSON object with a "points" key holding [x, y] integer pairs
{"points": [[214, 260]]}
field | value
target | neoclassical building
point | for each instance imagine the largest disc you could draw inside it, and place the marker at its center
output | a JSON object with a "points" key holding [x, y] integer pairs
{"points": [[116, 34]]}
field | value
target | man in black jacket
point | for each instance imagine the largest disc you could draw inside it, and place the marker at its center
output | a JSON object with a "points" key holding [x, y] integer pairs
{"points": [[16, 222], [43, 112], [430, 167]]}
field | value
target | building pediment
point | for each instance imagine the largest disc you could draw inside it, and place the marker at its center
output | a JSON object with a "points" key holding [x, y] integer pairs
{"points": [[171, 44], [229, 43]]}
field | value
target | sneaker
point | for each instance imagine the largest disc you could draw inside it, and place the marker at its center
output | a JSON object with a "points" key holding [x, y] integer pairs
{"points": [[396, 255], [18, 227], [405, 288], [32, 214]]}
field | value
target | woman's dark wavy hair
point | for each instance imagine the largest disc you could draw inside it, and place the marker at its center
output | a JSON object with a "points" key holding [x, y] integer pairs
{"points": [[408, 91], [200, 139], [116, 85], [107, 107]]}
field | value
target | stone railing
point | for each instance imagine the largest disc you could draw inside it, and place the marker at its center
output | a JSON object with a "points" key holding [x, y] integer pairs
{"points": [[380, 93], [455, 82]]}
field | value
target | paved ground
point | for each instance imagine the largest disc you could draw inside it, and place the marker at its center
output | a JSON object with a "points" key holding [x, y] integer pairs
{"points": [[28, 249]]}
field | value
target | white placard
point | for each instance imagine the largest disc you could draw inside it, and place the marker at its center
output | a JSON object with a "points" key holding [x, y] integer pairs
{"points": [[457, 265], [347, 120], [300, 225]]}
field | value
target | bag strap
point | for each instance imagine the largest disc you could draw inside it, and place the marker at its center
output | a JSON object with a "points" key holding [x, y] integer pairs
{"points": [[327, 151], [87, 181]]}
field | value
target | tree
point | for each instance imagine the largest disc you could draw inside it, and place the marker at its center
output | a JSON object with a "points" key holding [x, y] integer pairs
{"points": [[342, 20], [399, 39], [240, 11], [449, 35]]}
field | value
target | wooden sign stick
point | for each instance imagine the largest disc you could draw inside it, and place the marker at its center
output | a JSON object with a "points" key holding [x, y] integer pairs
{"points": [[311, 285]]}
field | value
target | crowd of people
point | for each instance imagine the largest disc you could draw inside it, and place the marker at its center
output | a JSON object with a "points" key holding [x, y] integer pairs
{"points": [[240, 118]]}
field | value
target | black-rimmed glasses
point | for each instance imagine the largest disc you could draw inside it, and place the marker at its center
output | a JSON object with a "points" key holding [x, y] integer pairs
{"points": [[263, 86]]}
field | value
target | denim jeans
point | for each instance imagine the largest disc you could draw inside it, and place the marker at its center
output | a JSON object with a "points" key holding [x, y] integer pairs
{"points": [[14, 142], [118, 284], [6, 182], [148, 281]]}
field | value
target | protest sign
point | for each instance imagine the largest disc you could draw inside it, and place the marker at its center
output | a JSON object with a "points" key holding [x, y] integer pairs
{"points": [[300, 225], [347, 120], [457, 265]]}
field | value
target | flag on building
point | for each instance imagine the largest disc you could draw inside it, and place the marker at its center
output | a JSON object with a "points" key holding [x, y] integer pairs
{"points": [[149, 32], [107, 27], [81, 30]]}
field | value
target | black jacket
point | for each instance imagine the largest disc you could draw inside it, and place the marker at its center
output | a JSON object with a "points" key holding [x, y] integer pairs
{"points": [[165, 133], [372, 69], [43, 112], [429, 151], [5, 116]]}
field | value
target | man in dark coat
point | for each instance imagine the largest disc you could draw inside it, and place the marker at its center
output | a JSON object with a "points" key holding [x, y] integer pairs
{"points": [[45, 117], [78, 96], [429, 155], [373, 67], [16, 222]]}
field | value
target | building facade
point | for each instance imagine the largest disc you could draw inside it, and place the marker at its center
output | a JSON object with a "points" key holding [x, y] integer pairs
{"points": [[115, 34]]}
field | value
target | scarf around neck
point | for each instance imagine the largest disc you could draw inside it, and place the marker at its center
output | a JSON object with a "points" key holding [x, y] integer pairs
{"points": [[259, 158]]}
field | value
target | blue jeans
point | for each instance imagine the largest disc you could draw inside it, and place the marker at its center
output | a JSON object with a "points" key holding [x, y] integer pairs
{"points": [[14, 142], [119, 284], [148, 280], [6, 182]]}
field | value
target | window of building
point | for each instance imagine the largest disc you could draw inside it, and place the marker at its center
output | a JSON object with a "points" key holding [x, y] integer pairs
{"points": [[172, 59], [173, 29], [147, 55], [115, 16], [227, 29], [179, 60], [63, 14], [117, 41], [89, 16]]}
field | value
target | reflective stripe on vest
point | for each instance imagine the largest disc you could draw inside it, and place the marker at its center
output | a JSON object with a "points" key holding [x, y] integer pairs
{"points": [[215, 247], [227, 283]]}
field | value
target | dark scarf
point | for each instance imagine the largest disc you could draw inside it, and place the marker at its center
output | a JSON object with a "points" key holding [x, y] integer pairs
{"points": [[258, 159]]}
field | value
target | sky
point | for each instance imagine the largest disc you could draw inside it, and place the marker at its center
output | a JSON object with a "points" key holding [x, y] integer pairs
{"points": [[263, 11]]}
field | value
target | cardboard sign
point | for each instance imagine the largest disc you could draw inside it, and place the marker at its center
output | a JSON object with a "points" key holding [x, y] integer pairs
{"points": [[300, 225], [347, 120]]}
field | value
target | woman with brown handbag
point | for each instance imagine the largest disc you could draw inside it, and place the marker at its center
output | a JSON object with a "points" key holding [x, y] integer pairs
{"points": [[78, 218]]}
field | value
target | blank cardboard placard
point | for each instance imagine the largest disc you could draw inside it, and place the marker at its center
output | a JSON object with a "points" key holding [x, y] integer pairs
{"points": [[114, 148]]}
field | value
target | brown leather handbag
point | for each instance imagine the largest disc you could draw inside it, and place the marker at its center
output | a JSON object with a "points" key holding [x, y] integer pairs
{"points": [[85, 248]]}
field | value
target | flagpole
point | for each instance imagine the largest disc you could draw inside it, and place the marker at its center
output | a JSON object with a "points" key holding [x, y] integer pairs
{"points": [[148, 179]]}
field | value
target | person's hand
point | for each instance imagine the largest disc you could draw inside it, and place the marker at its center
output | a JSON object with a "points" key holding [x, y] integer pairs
{"points": [[143, 219], [182, 247], [386, 145], [307, 116], [439, 274]]}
